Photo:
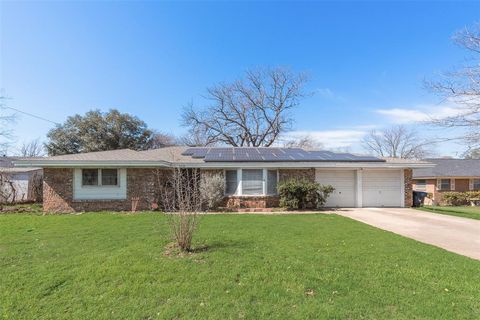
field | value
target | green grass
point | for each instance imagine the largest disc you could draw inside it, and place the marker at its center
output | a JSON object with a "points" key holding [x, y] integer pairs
{"points": [[460, 211], [112, 266]]}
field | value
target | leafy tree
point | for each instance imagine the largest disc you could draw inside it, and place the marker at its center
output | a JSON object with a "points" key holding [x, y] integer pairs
{"points": [[98, 131]]}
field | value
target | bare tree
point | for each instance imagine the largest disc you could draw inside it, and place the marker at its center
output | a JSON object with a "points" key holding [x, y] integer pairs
{"points": [[162, 140], [305, 142], [33, 148], [252, 111], [397, 142], [8, 191], [472, 153], [6, 119], [461, 87], [182, 201], [196, 138]]}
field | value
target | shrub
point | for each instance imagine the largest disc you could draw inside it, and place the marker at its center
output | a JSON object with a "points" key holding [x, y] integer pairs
{"points": [[303, 194], [455, 198], [212, 190]]}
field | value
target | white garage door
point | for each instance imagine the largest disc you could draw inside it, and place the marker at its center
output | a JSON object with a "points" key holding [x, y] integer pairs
{"points": [[344, 183], [382, 188]]}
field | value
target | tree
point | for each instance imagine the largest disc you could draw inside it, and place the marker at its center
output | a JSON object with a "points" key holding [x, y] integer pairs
{"points": [[33, 148], [252, 111], [6, 119], [97, 131], [472, 154], [182, 201], [162, 140], [397, 142], [196, 138], [305, 142], [461, 87]]}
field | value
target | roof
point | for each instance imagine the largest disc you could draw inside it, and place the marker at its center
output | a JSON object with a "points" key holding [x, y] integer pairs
{"points": [[272, 154], [7, 165], [449, 168], [215, 158]]}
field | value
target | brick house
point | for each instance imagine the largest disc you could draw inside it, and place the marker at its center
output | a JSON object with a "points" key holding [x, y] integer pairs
{"points": [[109, 180], [459, 175]]}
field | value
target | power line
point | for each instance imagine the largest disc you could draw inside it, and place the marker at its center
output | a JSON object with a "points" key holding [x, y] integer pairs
{"points": [[32, 115]]}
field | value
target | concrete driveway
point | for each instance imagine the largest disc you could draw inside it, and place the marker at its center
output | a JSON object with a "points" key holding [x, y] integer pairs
{"points": [[459, 235]]}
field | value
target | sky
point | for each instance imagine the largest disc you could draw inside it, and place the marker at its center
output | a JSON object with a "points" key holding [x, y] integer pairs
{"points": [[366, 61]]}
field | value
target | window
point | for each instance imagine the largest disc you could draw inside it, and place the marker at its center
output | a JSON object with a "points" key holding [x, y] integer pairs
{"points": [[90, 177], [252, 182], [99, 177], [445, 184], [421, 185], [231, 181], [476, 184], [272, 182], [109, 177]]}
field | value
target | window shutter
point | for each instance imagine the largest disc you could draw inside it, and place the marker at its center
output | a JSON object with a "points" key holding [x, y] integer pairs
{"points": [[452, 184], [470, 184], [439, 184]]}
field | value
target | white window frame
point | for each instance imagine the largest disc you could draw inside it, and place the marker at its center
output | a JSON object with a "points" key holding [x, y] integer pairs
{"points": [[473, 184], [99, 179], [450, 187], [239, 183]]}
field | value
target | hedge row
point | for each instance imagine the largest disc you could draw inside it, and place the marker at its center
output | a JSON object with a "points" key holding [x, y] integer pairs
{"points": [[460, 198]]}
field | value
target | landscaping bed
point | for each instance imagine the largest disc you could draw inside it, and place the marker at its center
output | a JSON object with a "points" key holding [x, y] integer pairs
{"points": [[119, 266]]}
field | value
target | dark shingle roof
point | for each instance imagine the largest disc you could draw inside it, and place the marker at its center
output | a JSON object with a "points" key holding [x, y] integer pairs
{"points": [[450, 168]]}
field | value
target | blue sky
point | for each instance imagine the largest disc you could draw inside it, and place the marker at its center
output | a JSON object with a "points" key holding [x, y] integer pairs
{"points": [[366, 60]]}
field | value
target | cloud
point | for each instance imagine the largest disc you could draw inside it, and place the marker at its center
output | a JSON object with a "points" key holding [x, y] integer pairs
{"points": [[421, 113], [331, 139]]}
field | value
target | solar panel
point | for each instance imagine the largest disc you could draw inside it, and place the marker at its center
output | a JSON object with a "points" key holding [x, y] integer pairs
{"points": [[246, 154]]}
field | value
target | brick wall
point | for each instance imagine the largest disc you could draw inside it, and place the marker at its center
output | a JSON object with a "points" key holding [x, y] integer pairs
{"points": [[235, 202], [286, 174], [141, 183], [407, 180]]}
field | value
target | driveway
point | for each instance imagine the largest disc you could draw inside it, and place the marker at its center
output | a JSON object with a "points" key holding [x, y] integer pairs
{"points": [[455, 234]]}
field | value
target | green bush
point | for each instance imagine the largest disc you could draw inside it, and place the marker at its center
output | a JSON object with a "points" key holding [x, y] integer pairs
{"points": [[303, 194], [455, 198]]}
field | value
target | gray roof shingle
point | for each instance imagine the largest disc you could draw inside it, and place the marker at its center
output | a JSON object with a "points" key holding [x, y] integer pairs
{"points": [[449, 168]]}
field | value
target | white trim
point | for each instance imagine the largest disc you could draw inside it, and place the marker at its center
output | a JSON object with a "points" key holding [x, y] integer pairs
{"points": [[402, 188], [359, 188], [239, 181], [99, 192], [239, 192]]}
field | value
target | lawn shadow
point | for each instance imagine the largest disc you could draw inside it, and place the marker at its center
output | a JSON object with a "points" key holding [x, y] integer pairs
{"points": [[220, 245]]}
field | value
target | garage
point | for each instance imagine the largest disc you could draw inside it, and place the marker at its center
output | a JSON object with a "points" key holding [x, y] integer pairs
{"points": [[382, 188], [344, 183]]}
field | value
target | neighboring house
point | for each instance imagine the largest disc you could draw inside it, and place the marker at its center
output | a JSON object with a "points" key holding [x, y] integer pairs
{"points": [[109, 180], [18, 184], [447, 175]]}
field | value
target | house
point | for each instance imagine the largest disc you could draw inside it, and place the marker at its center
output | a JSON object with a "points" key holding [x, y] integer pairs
{"points": [[19, 184], [447, 175], [109, 180]]}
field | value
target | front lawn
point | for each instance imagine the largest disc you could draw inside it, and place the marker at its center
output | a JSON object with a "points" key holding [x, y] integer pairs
{"points": [[460, 211], [112, 266]]}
